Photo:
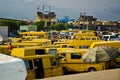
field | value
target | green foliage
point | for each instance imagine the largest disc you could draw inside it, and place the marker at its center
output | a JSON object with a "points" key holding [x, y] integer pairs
{"points": [[90, 28], [69, 25], [40, 25], [58, 26], [52, 27], [13, 25]]}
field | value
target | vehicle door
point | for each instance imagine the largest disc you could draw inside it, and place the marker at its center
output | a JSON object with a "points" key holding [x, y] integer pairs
{"points": [[56, 69], [30, 69], [47, 67], [39, 71], [75, 63]]}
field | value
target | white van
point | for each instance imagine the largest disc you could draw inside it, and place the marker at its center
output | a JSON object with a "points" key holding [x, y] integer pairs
{"points": [[4, 39], [108, 37], [12, 68]]}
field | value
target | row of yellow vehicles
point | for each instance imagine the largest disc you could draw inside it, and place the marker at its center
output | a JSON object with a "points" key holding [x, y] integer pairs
{"points": [[43, 59], [41, 63]]}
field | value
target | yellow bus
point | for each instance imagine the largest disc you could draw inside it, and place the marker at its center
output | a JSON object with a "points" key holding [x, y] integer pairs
{"points": [[85, 33], [115, 44], [5, 50], [38, 63], [39, 41], [34, 35], [71, 61], [83, 42], [36, 50]]}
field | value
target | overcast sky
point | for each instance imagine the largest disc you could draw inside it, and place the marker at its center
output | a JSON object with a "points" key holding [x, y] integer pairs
{"points": [[26, 9]]}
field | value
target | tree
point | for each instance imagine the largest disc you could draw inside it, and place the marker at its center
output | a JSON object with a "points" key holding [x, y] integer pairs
{"points": [[59, 26], [70, 25], [40, 25], [52, 27], [13, 24]]}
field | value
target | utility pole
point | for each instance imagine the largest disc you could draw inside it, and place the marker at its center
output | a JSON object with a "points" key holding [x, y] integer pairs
{"points": [[49, 20], [49, 17], [84, 14], [83, 19], [87, 23]]}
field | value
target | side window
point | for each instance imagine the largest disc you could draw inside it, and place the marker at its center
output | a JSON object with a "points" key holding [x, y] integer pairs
{"points": [[76, 55], [54, 61], [94, 39], [28, 64], [40, 51], [98, 38], [82, 38], [88, 38], [62, 55], [24, 34], [52, 51], [83, 47], [72, 47], [64, 46]]}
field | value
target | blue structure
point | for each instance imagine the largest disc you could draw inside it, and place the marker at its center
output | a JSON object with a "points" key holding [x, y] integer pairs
{"points": [[65, 20]]}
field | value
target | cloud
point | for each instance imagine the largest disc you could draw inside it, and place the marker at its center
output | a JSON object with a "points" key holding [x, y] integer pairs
{"points": [[109, 9], [98, 8], [29, 0], [83, 4]]}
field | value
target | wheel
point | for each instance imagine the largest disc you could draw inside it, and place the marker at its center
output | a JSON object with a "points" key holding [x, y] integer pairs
{"points": [[91, 69], [65, 71]]}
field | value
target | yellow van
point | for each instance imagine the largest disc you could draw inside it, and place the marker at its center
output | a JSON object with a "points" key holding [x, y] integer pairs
{"points": [[83, 42], [28, 51], [61, 44], [38, 64], [84, 33], [71, 62], [5, 50], [39, 41], [115, 44], [15, 40], [33, 35]]}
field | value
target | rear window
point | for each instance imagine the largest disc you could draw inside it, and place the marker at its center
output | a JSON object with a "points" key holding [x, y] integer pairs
{"points": [[28, 64], [52, 51], [112, 36], [76, 55]]}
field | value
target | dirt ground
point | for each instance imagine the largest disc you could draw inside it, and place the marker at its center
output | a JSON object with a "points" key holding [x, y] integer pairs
{"points": [[113, 74]]}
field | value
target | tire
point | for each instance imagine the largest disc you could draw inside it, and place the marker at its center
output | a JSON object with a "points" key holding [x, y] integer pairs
{"points": [[91, 69], [65, 71]]}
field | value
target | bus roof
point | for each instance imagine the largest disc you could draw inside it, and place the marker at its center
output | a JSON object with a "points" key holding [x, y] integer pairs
{"points": [[37, 56], [106, 43], [73, 50]]}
